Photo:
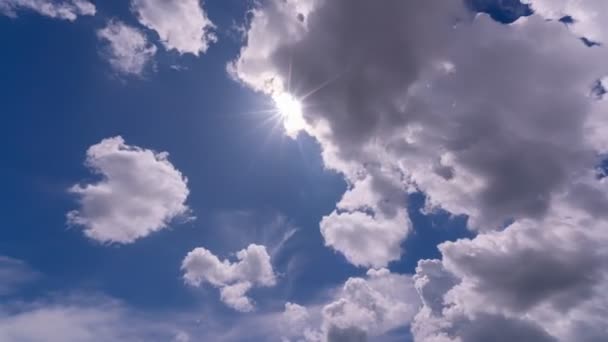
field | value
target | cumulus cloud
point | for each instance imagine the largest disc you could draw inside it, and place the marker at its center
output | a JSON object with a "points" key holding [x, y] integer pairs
{"points": [[362, 308], [181, 25], [369, 226], [128, 50], [140, 192], [374, 305], [537, 280], [418, 100], [496, 122], [365, 240], [67, 10], [234, 279]]}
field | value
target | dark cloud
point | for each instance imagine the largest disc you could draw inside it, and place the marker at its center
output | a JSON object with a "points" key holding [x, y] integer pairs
{"points": [[499, 329], [496, 122], [351, 334]]}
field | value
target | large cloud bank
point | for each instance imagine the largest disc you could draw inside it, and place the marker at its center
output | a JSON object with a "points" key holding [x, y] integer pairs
{"points": [[497, 122]]}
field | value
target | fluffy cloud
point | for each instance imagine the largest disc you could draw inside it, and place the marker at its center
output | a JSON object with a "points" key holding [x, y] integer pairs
{"points": [[496, 122], [140, 192], [374, 305], [363, 307], [234, 279], [66, 10], [369, 225], [536, 280], [128, 50], [182, 25], [296, 322], [365, 240], [426, 100]]}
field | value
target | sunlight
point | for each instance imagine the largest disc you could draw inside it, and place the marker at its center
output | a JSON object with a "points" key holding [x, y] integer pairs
{"points": [[290, 110]]}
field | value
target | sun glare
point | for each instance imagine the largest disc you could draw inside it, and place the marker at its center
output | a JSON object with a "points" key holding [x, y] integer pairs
{"points": [[289, 109]]}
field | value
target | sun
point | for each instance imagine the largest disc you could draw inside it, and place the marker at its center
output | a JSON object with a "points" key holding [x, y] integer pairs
{"points": [[289, 109]]}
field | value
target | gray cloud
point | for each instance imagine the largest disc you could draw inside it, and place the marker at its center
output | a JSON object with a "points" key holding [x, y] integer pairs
{"points": [[496, 122]]}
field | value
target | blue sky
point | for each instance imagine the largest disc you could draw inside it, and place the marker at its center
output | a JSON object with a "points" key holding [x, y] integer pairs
{"points": [[330, 223]]}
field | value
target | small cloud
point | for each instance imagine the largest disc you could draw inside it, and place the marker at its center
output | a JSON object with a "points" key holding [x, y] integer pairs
{"points": [[234, 279], [140, 192], [181, 25], [127, 48]]}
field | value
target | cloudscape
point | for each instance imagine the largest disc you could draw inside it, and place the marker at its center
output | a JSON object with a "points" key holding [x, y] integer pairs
{"points": [[304, 170]]}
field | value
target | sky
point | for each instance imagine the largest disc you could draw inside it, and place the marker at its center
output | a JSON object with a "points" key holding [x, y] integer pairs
{"points": [[303, 170]]}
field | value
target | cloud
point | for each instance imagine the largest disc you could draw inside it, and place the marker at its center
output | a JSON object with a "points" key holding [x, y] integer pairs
{"points": [[234, 279], [14, 274], [369, 226], [295, 321], [588, 17], [181, 337], [181, 25], [140, 192], [66, 10], [237, 228], [361, 308], [371, 306], [470, 139], [128, 50], [496, 122], [83, 318], [365, 240], [536, 280]]}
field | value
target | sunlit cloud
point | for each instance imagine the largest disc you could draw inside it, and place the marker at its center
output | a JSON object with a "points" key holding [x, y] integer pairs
{"points": [[290, 113]]}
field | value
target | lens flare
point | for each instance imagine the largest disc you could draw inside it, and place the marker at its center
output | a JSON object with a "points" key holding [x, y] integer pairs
{"points": [[289, 109]]}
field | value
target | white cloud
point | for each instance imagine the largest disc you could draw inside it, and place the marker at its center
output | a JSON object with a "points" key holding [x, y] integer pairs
{"points": [[370, 223], [365, 240], [267, 228], [182, 25], [235, 296], [589, 16], [14, 274], [89, 318], [234, 279], [371, 306], [128, 50], [362, 308], [295, 318], [67, 10], [140, 192]]}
